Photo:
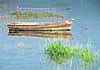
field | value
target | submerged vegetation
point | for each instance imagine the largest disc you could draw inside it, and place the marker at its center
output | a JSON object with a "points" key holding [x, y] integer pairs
{"points": [[30, 14], [61, 53]]}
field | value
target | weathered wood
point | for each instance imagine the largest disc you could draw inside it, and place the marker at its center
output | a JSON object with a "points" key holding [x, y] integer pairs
{"points": [[54, 30], [39, 26]]}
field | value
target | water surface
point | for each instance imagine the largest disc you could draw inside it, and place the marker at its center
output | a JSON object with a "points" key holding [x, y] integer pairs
{"points": [[25, 52]]}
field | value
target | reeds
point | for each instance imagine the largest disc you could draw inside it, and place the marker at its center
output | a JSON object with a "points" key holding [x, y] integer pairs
{"points": [[61, 53], [30, 14]]}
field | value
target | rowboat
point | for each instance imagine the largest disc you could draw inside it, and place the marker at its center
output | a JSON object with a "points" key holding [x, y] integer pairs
{"points": [[40, 26]]}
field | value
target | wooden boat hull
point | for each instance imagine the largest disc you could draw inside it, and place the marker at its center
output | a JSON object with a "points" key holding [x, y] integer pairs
{"points": [[59, 26], [52, 30]]}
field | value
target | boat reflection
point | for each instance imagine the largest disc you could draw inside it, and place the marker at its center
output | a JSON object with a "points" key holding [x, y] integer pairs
{"points": [[47, 34]]}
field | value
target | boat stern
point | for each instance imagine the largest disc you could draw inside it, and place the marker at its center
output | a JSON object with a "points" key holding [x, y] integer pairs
{"points": [[70, 22]]}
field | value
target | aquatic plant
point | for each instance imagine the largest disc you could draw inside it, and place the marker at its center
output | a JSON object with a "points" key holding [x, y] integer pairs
{"points": [[57, 52], [87, 56], [61, 53], [30, 14]]}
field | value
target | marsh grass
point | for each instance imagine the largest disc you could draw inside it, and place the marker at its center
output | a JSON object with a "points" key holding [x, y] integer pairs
{"points": [[30, 14], [61, 53], [87, 56]]}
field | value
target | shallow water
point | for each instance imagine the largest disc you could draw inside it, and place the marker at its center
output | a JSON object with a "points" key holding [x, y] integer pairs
{"points": [[26, 52]]}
